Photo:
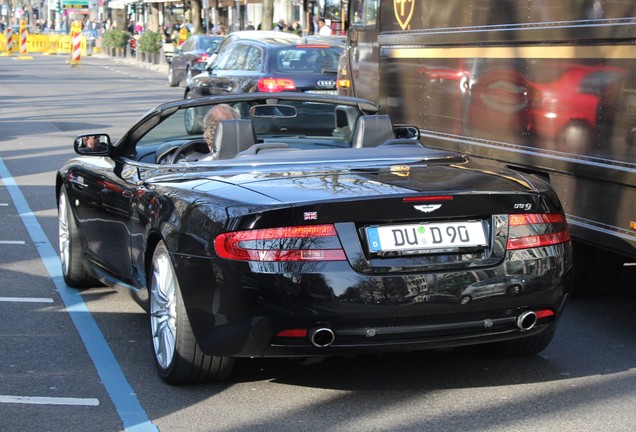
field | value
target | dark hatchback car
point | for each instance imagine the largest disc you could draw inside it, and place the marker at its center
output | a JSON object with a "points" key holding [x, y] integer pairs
{"points": [[194, 50], [270, 65]]}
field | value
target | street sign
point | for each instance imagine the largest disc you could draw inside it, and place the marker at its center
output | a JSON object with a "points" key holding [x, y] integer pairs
{"points": [[74, 4]]}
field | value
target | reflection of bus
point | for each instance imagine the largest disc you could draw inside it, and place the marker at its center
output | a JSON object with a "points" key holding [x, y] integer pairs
{"points": [[548, 87]]}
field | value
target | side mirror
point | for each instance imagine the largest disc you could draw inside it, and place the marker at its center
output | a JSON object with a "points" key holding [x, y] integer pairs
{"points": [[406, 132], [92, 144]]}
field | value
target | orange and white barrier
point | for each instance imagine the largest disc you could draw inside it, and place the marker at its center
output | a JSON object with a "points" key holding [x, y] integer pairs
{"points": [[9, 34], [76, 42], [23, 42]]}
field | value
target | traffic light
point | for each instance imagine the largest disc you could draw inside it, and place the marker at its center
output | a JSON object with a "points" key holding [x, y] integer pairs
{"points": [[58, 6]]}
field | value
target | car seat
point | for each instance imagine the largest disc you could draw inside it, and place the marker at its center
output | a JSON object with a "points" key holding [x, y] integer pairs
{"points": [[232, 137], [372, 130]]}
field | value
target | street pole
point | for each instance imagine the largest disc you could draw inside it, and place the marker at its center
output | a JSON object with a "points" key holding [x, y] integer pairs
{"points": [[237, 4], [206, 14]]}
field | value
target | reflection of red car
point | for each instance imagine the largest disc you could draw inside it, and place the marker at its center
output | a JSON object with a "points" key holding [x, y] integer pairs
{"points": [[570, 107], [565, 102], [499, 103]]}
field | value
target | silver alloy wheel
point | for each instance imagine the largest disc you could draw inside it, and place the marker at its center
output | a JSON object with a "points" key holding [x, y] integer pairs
{"points": [[172, 81], [63, 233], [163, 310]]}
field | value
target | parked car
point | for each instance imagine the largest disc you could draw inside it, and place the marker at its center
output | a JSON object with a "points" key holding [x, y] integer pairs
{"points": [[270, 65], [194, 50], [298, 239]]}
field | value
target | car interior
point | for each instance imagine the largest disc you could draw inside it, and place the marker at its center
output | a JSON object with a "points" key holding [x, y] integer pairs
{"points": [[269, 127]]}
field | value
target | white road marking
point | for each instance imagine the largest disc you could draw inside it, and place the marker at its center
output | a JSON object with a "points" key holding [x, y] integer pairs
{"points": [[26, 299], [34, 400], [12, 242]]}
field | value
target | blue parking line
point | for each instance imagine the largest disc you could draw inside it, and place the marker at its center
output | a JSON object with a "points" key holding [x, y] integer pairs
{"points": [[121, 393]]}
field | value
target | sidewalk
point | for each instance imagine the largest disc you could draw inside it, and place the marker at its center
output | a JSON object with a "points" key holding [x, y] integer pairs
{"points": [[163, 68]]}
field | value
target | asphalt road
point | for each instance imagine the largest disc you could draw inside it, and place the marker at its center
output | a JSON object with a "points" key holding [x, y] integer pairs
{"points": [[74, 361]]}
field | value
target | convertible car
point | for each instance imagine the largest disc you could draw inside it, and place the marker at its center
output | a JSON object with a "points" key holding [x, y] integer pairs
{"points": [[316, 228]]}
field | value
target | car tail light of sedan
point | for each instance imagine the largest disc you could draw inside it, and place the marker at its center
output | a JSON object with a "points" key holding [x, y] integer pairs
{"points": [[287, 244], [536, 230], [273, 85], [203, 58]]}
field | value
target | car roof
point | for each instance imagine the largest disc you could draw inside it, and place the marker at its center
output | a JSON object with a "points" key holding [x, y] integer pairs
{"points": [[262, 34], [363, 104], [258, 34], [278, 42]]}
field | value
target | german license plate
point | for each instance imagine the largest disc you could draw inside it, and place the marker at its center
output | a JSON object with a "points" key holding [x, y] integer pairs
{"points": [[427, 236]]}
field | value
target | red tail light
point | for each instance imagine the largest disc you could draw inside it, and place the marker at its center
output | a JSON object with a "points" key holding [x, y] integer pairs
{"points": [[292, 333], [273, 85], [202, 58], [298, 243], [536, 230]]}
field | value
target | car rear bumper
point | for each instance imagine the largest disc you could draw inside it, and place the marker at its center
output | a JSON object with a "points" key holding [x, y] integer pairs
{"points": [[240, 312]]}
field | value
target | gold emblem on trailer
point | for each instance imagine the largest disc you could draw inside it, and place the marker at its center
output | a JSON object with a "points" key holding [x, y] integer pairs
{"points": [[403, 11]]}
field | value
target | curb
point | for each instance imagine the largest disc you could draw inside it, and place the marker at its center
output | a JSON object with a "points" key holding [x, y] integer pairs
{"points": [[163, 68]]}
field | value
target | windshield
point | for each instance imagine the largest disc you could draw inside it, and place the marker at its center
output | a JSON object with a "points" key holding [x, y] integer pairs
{"points": [[307, 59], [311, 123]]}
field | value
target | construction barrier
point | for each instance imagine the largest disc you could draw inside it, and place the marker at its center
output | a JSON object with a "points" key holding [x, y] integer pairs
{"points": [[23, 42], [8, 45], [76, 42], [42, 43]]}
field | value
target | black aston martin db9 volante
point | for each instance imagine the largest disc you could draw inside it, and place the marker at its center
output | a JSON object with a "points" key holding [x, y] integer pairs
{"points": [[315, 228]]}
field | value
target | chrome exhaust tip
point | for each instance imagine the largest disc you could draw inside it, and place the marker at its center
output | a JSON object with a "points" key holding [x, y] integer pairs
{"points": [[321, 337], [526, 321]]}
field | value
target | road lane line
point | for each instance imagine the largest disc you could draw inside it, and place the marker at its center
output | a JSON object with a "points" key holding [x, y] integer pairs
{"points": [[12, 242], [35, 400], [121, 393], [26, 299]]}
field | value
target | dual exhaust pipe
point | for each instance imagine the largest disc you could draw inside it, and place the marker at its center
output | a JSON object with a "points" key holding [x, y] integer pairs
{"points": [[322, 337], [526, 320]]}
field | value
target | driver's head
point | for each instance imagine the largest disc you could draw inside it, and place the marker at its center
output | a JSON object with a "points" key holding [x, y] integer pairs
{"points": [[212, 119], [92, 142]]}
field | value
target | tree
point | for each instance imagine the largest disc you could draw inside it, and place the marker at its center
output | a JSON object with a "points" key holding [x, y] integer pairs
{"points": [[268, 15], [196, 16]]}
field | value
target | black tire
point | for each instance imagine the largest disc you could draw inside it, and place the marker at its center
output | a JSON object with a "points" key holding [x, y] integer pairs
{"points": [[527, 346], [172, 79], [71, 248], [594, 271], [175, 350]]}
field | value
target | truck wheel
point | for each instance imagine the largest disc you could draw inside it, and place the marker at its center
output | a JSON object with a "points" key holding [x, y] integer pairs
{"points": [[593, 270]]}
